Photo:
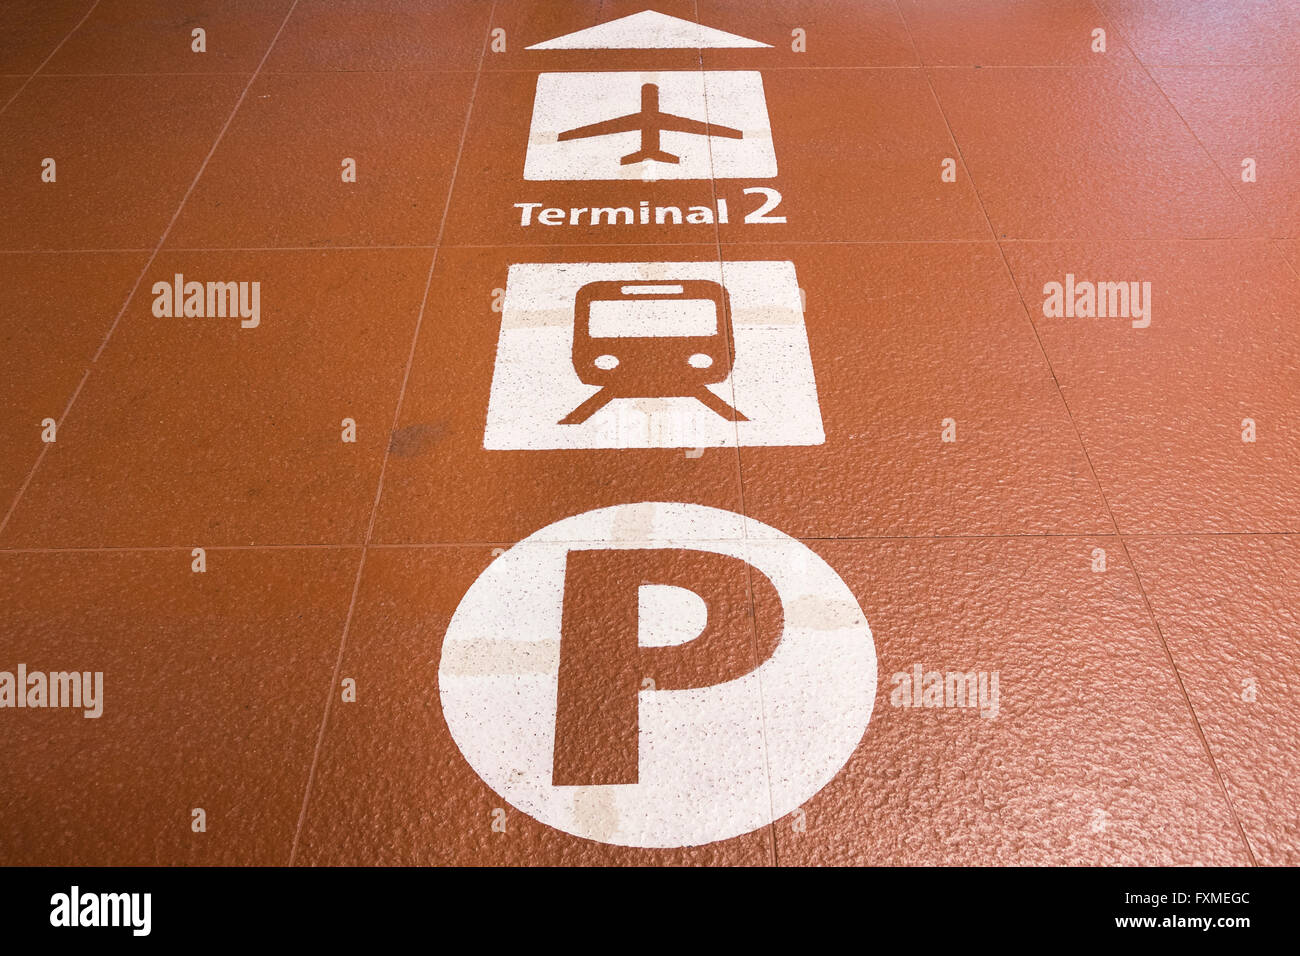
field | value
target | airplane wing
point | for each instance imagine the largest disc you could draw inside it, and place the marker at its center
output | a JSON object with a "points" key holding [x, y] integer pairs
{"points": [[680, 124], [620, 124]]}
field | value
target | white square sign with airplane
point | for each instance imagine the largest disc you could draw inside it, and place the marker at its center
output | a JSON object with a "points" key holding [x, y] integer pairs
{"points": [[652, 355], [687, 124]]}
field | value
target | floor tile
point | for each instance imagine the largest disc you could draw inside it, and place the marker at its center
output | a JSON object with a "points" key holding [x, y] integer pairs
{"points": [[490, 187], [1162, 410], [1226, 606], [1167, 32], [43, 362], [1092, 757], [1101, 518], [157, 36], [423, 803], [1009, 33], [31, 29], [126, 149], [924, 333], [213, 688], [352, 35], [866, 33], [1081, 153], [1244, 113], [196, 431], [443, 485], [878, 176], [277, 177]]}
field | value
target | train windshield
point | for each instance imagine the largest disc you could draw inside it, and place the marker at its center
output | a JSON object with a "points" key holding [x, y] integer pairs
{"points": [[652, 318]]}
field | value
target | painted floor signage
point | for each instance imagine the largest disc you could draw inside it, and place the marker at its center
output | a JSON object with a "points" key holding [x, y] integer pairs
{"points": [[667, 674], [675, 125], [640, 355], [607, 677]]}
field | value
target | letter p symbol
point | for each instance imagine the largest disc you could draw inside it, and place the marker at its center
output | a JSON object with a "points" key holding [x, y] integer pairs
{"points": [[604, 657], [657, 674]]}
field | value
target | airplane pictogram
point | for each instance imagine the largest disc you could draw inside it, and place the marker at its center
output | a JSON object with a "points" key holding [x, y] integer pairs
{"points": [[650, 122], [689, 122]]}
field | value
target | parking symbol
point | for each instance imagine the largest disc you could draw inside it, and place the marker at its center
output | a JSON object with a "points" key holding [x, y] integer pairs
{"points": [[640, 355], [657, 675]]}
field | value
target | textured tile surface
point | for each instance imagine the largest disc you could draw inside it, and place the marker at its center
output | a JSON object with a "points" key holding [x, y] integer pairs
{"points": [[1019, 587]]}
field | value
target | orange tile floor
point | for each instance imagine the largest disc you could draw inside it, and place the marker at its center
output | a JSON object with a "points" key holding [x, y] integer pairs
{"points": [[982, 545]]}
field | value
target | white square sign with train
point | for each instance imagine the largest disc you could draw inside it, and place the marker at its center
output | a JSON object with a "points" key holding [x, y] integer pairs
{"points": [[652, 355]]}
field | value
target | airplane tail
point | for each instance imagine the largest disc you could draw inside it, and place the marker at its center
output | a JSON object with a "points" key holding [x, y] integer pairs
{"points": [[658, 155]]}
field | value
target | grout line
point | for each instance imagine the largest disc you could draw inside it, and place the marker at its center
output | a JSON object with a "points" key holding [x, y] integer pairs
{"points": [[1250, 216], [740, 481], [45, 447], [577, 243], [1231, 183], [147, 75], [194, 182], [856, 67], [56, 49], [824, 539], [1178, 678], [167, 548], [149, 262], [1200, 732], [1137, 577], [331, 248], [379, 489], [952, 137], [774, 68]]}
